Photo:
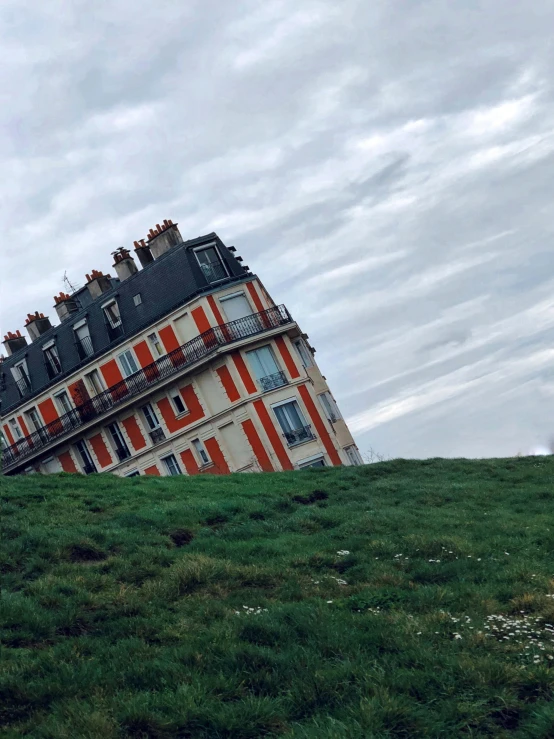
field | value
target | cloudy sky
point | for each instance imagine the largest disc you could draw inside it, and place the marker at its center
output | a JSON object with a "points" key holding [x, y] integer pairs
{"points": [[386, 167]]}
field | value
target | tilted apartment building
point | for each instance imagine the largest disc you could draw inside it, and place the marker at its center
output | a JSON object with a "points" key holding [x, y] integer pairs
{"points": [[183, 366]]}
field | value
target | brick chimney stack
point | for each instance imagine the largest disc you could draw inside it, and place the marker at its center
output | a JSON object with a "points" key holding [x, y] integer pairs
{"points": [[14, 342], [124, 264], [65, 305], [36, 324], [143, 252], [98, 283], [163, 238]]}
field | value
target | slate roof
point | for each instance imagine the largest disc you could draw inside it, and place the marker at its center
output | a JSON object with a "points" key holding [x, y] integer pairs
{"points": [[169, 281]]}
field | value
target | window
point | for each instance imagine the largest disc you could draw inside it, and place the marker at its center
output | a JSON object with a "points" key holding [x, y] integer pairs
{"points": [[154, 342], [201, 451], [137, 300], [86, 458], [63, 402], [155, 430], [95, 382], [353, 455], [304, 353], [21, 377], [150, 416], [128, 363], [51, 359], [236, 306], [178, 404], [14, 426], [51, 465], [134, 473], [330, 407], [317, 461], [171, 466], [82, 339], [119, 443], [211, 263], [36, 424], [266, 369], [293, 423], [111, 312]]}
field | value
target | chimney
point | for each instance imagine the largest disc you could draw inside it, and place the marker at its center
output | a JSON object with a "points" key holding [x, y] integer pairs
{"points": [[65, 305], [14, 342], [143, 253], [98, 283], [124, 264], [36, 324], [163, 238]]}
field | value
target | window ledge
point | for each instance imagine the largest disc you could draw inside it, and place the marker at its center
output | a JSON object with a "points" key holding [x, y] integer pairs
{"points": [[299, 443], [182, 415]]}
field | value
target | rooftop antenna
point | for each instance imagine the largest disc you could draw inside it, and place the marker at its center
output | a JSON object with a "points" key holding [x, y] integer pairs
{"points": [[68, 284]]}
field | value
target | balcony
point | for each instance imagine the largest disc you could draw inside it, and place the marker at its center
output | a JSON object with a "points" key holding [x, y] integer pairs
{"points": [[299, 436], [213, 271], [84, 347], [157, 435], [171, 364], [122, 453], [24, 387], [273, 381]]}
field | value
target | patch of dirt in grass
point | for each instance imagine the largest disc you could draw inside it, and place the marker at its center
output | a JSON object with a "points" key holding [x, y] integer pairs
{"points": [[86, 552], [312, 498], [506, 717], [181, 537]]}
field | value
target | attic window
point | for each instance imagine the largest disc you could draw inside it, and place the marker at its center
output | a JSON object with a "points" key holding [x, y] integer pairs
{"points": [[137, 299], [210, 262], [111, 311]]}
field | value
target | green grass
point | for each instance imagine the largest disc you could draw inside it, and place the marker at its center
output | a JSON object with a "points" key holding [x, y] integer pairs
{"points": [[123, 604]]}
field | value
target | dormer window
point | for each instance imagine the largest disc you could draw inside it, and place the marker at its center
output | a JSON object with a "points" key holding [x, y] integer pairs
{"points": [[20, 374], [51, 359], [211, 263], [82, 339], [112, 318]]}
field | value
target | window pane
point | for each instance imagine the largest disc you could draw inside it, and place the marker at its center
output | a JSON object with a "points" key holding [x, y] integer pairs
{"points": [[263, 362]]}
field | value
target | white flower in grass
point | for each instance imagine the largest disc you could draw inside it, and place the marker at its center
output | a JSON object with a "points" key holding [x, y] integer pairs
{"points": [[343, 552], [457, 636], [329, 601]]}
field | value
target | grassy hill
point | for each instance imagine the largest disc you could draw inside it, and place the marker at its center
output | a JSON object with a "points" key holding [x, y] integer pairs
{"points": [[402, 599]]}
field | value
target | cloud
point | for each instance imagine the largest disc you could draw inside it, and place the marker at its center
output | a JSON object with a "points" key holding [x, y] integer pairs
{"points": [[384, 167]]}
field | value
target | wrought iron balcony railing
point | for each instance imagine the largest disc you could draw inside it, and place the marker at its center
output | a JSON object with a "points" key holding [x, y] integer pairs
{"points": [[297, 436], [168, 365], [24, 387], [157, 435], [270, 382], [213, 271], [122, 453], [84, 347]]}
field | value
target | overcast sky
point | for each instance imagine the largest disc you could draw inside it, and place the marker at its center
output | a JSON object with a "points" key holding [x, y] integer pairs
{"points": [[386, 167]]}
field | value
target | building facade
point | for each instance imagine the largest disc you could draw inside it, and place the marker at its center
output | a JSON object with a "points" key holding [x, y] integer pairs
{"points": [[184, 366]]}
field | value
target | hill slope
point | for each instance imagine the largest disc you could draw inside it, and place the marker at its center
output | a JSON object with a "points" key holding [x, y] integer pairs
{"points": [[402, 599]]}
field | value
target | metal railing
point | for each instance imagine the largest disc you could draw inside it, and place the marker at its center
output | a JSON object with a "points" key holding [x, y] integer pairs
{"points": [[168, 365], [53, 368], [84, 347], [157, 435], [297, 436], [24, 387], [270, 382], [213, 271], [122, 453]]}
